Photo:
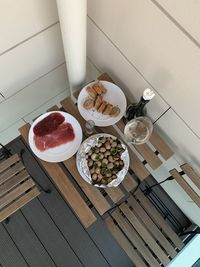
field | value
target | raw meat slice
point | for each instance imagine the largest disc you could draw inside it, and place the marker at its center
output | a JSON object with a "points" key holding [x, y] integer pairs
{"points": [[62, 135], [48, 124]]}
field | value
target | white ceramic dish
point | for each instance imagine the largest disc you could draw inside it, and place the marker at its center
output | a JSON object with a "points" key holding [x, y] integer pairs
{"points": [[62, 152], [82, 166], [114, 95]]}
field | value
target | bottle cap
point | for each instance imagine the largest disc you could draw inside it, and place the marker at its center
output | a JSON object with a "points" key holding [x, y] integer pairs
{"points": [[148, 94]]}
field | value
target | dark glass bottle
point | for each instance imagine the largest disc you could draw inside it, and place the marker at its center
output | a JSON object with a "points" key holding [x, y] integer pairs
{"points": [[138, 110]]}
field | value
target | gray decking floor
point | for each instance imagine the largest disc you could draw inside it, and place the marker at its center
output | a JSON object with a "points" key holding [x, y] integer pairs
{"points": [[47, 233]]}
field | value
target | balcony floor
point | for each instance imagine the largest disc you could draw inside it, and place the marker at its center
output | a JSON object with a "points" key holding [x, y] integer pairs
{"points": [[47, 233]]}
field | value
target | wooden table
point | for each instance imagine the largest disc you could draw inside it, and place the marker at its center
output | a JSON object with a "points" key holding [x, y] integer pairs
{"points": [[87, 201]]}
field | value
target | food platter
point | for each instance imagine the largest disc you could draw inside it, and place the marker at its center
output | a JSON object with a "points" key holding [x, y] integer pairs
{"points": [[82, 163], [114, 95], [61, 152]]}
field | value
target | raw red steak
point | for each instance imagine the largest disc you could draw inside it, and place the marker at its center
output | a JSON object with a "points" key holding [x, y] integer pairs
{"points": [[48, 124], [62, 135]]}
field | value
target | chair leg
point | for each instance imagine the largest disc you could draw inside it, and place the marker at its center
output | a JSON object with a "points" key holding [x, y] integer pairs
{"points": [[48, 190], [7, 220]]}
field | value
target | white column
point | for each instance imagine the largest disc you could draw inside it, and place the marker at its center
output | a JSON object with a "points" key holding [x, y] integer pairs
{"points": [[73, 18]]}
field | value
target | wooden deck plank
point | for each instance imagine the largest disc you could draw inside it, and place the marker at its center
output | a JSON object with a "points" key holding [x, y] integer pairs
{"points": [[8, 162], [27, 241], [13, 182], [186, 187], [144, 234], [135, 239], [10, 256], [129, 183], [153, 229], [160, 145], [19, 203], [158, 219], [124, 243], [52, 239], [65, 186], [94, 195], [15, 193], [188, 170], [64, 217], [113, 252], [7, 174]]}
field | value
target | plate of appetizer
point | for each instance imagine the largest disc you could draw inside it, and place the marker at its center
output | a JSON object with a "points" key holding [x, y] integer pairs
{"points": [[55, 136], [103, 160], [102, 102]]}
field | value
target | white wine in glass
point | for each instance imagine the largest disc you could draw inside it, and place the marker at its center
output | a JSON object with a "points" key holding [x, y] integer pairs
{"points": [[138, 130]]}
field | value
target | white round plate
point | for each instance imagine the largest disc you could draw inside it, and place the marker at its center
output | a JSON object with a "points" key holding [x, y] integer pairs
{"points": [[82, 166], [62, 152], [114, 95]]}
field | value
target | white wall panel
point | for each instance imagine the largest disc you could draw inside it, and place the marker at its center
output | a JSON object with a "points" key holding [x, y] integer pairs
{"points": [[105, 55], [160, 50], [30, 60], [182, 140], [1, 98], [43, 108], [92, 73], [186, 13], [11, 132], [23, 18], [33, 96]]}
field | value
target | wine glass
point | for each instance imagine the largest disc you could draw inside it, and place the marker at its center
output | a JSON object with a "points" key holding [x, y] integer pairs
{"points": [[138, 130]]}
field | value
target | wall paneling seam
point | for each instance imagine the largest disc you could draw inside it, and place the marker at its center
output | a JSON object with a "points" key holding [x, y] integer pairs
{"points": [[29, 38], [174, 21], [34, 81]]}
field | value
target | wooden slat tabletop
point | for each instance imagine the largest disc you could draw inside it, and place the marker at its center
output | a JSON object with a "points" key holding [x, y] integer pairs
{"points": [[65, 186], [160, 145], [145, 150], [129, 183], [94, 195], [135, 164], [98, 198]]}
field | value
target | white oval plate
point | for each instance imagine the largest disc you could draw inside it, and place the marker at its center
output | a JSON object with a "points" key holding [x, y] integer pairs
{"points": [[114, 95], [62, 152], [82, 166]]}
